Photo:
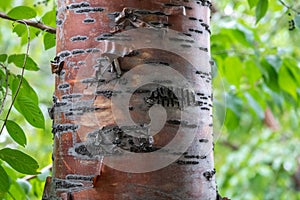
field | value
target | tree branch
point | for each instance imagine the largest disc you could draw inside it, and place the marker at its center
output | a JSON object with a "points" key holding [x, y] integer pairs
{"points": [[288, 7], [29, 177], [38, 25]]}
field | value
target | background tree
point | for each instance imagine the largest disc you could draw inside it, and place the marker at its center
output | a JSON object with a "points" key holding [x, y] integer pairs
{"points": [[257, 67]]}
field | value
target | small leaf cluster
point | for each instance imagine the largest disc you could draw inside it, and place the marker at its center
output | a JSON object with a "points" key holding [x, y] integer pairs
{"points": [[19, 98], [261, 8], [26, 12], [26, 103]]}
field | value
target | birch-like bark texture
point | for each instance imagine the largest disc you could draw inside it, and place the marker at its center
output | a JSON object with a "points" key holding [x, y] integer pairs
{"points": [[122, 68]]}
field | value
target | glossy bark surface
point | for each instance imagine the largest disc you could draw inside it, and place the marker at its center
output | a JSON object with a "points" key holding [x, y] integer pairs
{"points": [[84, 92]]}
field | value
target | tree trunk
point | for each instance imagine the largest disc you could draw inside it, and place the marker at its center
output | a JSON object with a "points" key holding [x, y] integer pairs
{"points": [[132, 104]]}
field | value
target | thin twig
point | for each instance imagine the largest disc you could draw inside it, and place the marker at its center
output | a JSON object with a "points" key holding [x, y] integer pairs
{"points": [[29, 177], [289, 7], [21, 79], [38, 25], [6, 88]]}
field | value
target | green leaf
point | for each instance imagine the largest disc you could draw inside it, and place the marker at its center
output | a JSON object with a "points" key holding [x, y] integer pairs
{"points": [[16, 191], [30, 110], [34, 32], [261, 9], [49, 40], [232, 121], [293, 68], [5, 4], [50, 18], [16, 132], [274, 61], [254, 105], [11, 78], [253, 72], [27, 103], [2, 80], [233, 70], [20, 29], [4, 180], [22, 12], [3, 57], [25, 89], [20, 161], [252, 3], [18, 60], [234, 103], [240, 37], [270, 75], [289, 78]]}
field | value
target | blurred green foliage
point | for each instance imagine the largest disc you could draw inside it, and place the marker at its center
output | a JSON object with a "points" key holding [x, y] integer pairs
{"points": [[256, 98], [256, 94]]}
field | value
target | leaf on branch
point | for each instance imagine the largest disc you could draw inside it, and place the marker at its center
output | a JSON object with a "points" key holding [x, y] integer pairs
{"points": [[252, 3], [49, 18], [25, 89], [22, 12], [20, 29], [49, 40], [30, 110], [254, 105], [18, 60], [289, 78], [4, 180], [27, 102], [234, 70], [20, 161], [261, 9], [16, 132], [3, 57]]}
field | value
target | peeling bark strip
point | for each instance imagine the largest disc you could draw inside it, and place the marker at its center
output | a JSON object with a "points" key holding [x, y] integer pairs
{"points": [[91, 60]]}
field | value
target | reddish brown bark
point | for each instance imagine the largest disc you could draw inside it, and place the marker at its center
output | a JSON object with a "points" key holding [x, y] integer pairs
{"points": [[83, 25]]}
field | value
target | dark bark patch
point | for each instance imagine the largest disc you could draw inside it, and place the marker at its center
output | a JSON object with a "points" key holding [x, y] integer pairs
{"points": [[182, 162], [64, 184], [77, 5], [203, 140], [63, 86], [209, 174], [78, 38], [89, 10], [89, 21]]}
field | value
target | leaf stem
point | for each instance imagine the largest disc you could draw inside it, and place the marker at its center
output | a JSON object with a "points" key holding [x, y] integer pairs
{"points": [[22, 75], [38, 25], [289, 7]]}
